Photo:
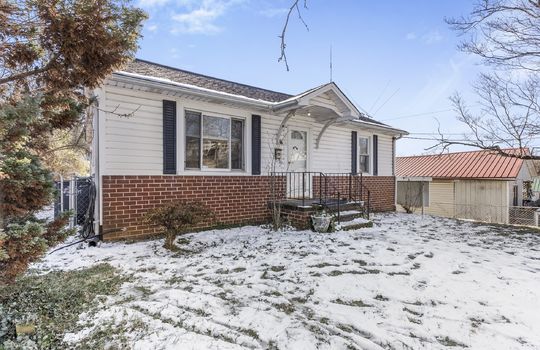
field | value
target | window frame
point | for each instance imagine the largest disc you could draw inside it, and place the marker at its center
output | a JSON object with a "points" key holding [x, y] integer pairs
{"points": [[368, 154], [230, 118]]}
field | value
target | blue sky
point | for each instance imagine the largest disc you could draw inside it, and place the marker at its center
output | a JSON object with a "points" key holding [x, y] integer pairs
{"points": [[395, 59]]}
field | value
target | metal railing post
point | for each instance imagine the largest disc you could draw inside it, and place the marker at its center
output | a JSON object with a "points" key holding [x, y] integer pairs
{"points": [[303, 188], [320, 188], [361, 187], [350, 187], [338, 209], [368, 203], [326, 189]]}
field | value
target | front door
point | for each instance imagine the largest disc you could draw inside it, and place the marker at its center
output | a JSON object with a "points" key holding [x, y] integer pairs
{"points": [[299, 183]]}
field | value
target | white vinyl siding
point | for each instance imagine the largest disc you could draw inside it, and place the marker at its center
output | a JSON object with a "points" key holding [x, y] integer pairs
{"points": [[334, 152], [133, 145], [483, 200], [441, 198]]}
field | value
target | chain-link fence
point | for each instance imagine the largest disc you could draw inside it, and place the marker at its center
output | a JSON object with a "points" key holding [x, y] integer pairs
{"points": [[527, 216], [74, 194], [513, 215]]}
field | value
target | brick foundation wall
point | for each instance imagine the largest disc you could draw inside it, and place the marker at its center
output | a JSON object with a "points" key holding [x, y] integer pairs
{"points": [[301, 219], [381, 188], [234, 199], [383, 192]]}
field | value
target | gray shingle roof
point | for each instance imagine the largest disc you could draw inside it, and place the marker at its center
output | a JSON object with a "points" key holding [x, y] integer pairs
{"points": [[152, 69], [185, 77]]}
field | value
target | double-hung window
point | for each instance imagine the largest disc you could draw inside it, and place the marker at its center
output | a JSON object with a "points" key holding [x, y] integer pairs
{"points": [[214, 142], [363, 153]]}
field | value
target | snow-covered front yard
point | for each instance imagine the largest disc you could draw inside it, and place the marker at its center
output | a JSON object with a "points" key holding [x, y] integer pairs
{"points": [[407, 283]]}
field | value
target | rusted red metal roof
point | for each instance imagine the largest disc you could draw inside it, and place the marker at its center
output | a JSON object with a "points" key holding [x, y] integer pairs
{"points": [[461, 165]]}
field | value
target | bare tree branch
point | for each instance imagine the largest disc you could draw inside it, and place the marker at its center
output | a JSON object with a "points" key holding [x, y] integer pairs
{"points": [[505, 33], [508, 121], [294, 6], [122, 115], [28, 73]]}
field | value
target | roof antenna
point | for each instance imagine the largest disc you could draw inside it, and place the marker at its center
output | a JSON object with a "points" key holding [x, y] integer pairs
{"points": [[331, 63]]}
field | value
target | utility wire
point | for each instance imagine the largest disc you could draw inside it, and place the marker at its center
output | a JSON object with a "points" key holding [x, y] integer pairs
{"points": [[416, 115], [385, 102], [380, 95]]}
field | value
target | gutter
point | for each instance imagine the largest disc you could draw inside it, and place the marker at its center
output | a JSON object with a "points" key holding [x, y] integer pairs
{"points": [[398, 132], [189, 89], [272, 107], [281, 106]]}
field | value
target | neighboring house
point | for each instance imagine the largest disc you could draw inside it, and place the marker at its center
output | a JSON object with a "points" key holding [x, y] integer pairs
{"points": [[163, 134], [477, 185]]}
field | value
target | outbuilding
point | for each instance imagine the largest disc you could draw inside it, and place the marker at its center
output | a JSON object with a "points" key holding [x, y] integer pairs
{"points": [[478, 185]]}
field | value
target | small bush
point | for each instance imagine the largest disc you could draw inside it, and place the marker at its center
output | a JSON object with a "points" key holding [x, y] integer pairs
{"points": [[25, 242], [176, 217]]}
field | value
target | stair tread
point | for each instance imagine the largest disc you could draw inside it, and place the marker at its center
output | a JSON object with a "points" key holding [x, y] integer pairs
{"points": [[355, 224], [355, 221], [350, 212]]}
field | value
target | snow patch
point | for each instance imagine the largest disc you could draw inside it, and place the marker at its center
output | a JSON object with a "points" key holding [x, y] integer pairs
{"points": [[408, 282]]}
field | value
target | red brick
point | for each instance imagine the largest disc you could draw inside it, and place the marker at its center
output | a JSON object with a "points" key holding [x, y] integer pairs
{"points": [[235, 199]]}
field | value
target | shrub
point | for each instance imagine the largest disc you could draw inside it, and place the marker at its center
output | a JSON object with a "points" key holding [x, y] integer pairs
{"points": [[176, 217], [23, 243]]}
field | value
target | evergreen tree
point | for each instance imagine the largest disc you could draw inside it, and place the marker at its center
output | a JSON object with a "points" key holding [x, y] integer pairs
{"points": [[51, 53]]}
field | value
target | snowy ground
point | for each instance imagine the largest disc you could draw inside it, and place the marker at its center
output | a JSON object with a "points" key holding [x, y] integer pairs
{"points": [[407, 283]]}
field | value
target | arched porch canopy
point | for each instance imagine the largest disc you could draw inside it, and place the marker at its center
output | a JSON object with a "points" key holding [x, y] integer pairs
{"points": [[325, 104]]}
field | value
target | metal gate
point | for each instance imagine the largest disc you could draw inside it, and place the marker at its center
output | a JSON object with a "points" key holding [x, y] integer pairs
{"points": [[74, 194]]}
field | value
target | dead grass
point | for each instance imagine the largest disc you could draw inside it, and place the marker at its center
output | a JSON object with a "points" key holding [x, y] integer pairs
{"points": [[53, 303]]}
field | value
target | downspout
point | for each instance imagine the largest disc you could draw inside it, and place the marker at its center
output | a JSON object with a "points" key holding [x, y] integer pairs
{"points": [[97, 170], [394, 139]]}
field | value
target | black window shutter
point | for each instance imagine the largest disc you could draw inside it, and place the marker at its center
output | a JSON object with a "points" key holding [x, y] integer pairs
{"points": [[375, 155], [169, 137], [256, 145], [354, 153]]}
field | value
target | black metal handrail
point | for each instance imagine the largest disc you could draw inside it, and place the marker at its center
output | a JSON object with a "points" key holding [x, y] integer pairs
{"points": [[321, 188]]}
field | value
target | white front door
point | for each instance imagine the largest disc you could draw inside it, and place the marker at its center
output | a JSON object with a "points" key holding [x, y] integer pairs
{"points": [[299, 183]]}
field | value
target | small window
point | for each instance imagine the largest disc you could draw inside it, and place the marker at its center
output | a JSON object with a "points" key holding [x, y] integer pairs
{"points": [[297, 135], [214, 142], [363, 152]]}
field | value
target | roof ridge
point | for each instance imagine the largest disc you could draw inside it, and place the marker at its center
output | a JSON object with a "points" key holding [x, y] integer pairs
{"points": [[212, 77], [460, 152]]}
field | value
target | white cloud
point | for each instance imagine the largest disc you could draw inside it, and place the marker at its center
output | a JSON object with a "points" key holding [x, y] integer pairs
{"points": [[410, 36], [151, 27], [201, 18], [429, 38], [152, 3], [174, 53], [274, 12], [432, 37]]}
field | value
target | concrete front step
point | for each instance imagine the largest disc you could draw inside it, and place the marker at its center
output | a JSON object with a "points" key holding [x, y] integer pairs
{"points": [[345, 207], [354, 224], [348, 215]]}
